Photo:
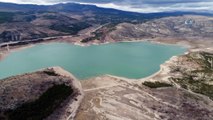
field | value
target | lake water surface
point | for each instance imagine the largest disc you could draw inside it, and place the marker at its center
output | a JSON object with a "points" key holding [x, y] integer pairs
{"points": [[126, 59]]}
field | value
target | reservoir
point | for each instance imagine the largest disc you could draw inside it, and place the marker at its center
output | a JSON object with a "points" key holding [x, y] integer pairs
{"points": [[126, 59]]}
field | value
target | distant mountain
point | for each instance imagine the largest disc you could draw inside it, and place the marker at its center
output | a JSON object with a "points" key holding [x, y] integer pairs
{"points": [[82, 9], [39, 21]]}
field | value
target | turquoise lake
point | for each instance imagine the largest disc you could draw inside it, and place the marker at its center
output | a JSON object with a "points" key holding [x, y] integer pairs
{"points": [[125, 59]]}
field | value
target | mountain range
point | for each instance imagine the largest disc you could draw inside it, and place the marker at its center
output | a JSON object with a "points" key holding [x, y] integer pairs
{"points": [[19, 22]]}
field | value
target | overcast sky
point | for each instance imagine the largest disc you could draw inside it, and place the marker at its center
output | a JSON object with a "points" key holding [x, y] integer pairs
{"points": [[136, 5]]}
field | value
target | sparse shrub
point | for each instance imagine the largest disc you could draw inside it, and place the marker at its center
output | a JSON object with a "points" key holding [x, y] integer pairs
{"points": [[156, 84]]}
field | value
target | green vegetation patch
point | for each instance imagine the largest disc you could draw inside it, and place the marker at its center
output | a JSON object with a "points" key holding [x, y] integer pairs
{"points": [[88, 39], [204, 89], [51, 17], [156, 84], [72, 29], [30, 18], [198, 80], [197, 86], [51, 73], [6, 17], [42, 107], [202, 58], [208, 60]]}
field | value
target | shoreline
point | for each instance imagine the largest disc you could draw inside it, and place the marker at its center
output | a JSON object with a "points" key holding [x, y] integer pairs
{"points": [[21, 47], [188, 47], [141, 79], [6, 53]]}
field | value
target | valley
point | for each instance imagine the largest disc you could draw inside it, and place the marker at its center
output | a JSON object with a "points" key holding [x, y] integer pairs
{"points": [[181, 89]]}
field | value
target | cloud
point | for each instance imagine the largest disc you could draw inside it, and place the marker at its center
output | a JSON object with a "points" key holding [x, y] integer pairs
{"points": [[136, 5], [156, 5]]}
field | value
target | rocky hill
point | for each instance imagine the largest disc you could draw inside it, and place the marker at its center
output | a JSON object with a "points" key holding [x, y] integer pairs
{"points": [[51, 94], [186, 27]]}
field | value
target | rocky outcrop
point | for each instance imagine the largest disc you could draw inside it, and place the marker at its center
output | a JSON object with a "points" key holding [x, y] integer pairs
{"points": [[51, 94]]}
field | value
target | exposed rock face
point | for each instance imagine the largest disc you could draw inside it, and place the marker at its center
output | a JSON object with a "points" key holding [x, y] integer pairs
{"points": [[23, 97]]}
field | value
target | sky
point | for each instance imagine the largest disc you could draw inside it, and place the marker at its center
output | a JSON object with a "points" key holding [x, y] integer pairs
{"points": [[144, 6]]}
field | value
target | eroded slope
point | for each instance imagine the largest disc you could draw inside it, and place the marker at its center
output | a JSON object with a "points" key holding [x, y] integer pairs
{"points": [[48, 94]]}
